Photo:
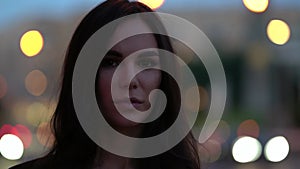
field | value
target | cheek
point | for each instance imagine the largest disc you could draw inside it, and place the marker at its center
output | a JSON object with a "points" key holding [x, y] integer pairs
{"points": [[103, 85], [151, 80]]}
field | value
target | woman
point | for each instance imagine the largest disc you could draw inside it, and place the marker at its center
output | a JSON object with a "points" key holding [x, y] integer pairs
{"points": [[73, 148]]}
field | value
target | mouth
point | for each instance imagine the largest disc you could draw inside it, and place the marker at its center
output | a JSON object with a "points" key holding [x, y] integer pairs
{"points": [[129, 104], [134, 100]]}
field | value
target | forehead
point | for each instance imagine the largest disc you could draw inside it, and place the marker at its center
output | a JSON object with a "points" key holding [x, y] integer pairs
{"points": [[130, 27], [134, 43]]}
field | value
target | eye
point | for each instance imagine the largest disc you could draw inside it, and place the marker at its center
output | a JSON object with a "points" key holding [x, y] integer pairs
{"points": [[147, 63], [110, 63]]}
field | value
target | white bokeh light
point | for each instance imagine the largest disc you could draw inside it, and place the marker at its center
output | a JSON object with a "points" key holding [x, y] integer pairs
{"points": [[246, 149], [11, 147], [277, 149]]}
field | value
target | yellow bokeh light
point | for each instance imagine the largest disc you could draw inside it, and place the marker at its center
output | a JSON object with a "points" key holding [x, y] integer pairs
{"points": [[278, 31], [32, 43], [256, 6], [36, 113], [36, 82], [153, 4], [17, 111]]}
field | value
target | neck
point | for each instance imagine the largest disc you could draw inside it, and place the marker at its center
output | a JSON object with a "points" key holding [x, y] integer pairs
{"points": [[107, 160], [133, 131]]}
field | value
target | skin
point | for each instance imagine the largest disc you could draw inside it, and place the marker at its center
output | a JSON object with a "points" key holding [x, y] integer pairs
{"points": [[139, 87]]}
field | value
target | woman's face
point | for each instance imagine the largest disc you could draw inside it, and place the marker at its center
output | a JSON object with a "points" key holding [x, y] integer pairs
{"points": [[140, 86]]}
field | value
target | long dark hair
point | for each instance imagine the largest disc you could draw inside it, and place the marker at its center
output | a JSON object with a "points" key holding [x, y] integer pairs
{"points": [[72, 147]]}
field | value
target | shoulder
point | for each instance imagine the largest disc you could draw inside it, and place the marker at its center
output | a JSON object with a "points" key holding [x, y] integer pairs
{"points": [[40, 163], [26, 165], [49, 162]]}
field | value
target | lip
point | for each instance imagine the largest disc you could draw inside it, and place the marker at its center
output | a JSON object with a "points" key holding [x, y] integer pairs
{"points": [[129, 103], [135, 100], [130, 100]]}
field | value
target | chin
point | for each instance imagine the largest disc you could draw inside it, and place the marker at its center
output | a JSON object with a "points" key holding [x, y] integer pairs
{"points": [[118, 121]]}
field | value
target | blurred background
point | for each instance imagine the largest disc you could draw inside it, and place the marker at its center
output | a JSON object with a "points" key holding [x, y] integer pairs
{"points": [[258, 42]]}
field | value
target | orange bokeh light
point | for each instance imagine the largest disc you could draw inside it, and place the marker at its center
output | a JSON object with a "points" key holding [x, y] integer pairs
{"points": [[36, 82], [248, 128], [44, 134]]}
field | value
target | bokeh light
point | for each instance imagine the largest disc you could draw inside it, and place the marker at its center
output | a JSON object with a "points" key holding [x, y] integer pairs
{"points": [[276, 149], [222, 132], [257, 6], [44, 134], [36, 113], [3, 87], [278, 31], [248, 128], [214, 150], [24, 134], [204, 98], [31, 43], [8, 129], [185, 53], [192, 104], [11, 147], [20, 131], [258, 56], [36, 82], [246, 149], [153, 4], [18, 110]]}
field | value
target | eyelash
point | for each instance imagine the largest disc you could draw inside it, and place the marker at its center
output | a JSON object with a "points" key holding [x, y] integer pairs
{"points": [[110, 63], [149, 63], [143, 63]]}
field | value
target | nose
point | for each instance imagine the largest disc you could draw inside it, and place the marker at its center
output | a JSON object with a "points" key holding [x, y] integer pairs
{"points": [[127, 75]]}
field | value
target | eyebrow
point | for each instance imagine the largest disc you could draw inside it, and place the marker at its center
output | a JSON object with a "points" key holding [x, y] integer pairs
{"points": [[148, 53], [114, 53], [143, 54]]}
